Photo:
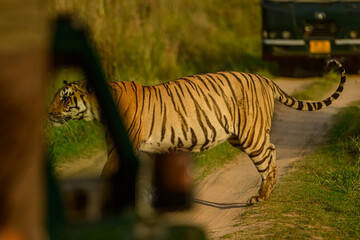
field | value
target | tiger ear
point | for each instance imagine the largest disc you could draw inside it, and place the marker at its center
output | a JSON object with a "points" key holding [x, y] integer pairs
{"points": [[88, 87], [65, 82]]}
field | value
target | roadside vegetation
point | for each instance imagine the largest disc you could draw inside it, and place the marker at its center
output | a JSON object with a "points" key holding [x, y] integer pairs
{"points": [[320, 197], [155, 41]]}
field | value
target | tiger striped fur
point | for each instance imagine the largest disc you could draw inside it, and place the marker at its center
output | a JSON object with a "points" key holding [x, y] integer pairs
{"points": [[193, 114]]}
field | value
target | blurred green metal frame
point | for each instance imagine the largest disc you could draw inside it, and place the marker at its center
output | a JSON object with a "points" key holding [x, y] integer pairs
{"points": [[72, 47]]}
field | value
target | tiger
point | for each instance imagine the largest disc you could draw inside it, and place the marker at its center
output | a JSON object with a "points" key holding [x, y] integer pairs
{"points": [[193, 114]]}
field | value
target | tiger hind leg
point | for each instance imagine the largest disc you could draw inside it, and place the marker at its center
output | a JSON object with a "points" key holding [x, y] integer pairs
{"points": [[264, 160], [265, 164]]}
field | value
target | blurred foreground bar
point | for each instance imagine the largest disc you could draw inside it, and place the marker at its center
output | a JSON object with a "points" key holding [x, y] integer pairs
{"points": [[24, 41]]}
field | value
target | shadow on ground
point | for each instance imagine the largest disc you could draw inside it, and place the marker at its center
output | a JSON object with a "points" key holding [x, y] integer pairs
{"points": [[219, 205]]}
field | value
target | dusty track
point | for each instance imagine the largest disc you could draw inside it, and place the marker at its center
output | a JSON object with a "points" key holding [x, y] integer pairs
{"points": [[221, 197]]}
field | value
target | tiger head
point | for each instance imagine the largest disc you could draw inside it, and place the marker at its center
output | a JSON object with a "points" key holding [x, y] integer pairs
{"points": [[74, 101]]}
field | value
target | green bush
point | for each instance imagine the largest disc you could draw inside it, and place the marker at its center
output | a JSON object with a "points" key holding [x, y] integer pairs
{"points": [[159, 40]]}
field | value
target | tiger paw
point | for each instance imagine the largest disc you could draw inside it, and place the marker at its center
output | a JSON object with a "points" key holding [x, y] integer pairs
{"points": [[254, 199]]}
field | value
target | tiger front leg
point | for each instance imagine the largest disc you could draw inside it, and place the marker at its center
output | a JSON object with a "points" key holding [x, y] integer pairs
{"points": [[112, 164], [267, 169]]}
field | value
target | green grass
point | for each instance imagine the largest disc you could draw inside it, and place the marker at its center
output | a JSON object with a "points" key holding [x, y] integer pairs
{"points": [[159, 40], [210, 160], [75, 139], [320, 197]]}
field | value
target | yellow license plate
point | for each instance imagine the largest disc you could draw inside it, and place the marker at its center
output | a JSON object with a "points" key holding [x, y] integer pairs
{"points": [[320, 46]]}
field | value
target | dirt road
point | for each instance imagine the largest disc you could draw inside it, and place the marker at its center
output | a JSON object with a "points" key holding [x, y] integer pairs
{"points": [[221, 196]]}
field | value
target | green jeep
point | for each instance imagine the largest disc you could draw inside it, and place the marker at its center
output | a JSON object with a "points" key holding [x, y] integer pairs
{"points": [[310, 30]]}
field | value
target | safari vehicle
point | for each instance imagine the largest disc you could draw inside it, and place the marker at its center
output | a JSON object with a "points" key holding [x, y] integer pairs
{"points": [[312, 30]]}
